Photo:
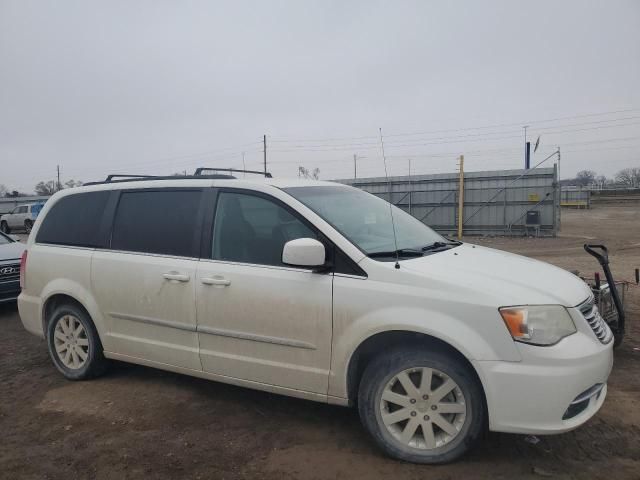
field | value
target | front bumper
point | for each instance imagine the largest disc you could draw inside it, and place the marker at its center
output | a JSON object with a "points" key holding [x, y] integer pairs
{"points": [[9, 290], [533, 396]]}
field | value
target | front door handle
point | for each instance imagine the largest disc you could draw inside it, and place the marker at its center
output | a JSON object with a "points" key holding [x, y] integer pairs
{"points": [[175, 276], [216, 281]]}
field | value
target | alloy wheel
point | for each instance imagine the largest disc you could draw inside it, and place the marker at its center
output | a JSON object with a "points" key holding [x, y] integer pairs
{"points": [[423, 408], [71, 342]]}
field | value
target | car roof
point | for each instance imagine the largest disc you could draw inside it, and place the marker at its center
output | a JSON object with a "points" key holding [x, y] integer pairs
{"points": [[259, 183]]}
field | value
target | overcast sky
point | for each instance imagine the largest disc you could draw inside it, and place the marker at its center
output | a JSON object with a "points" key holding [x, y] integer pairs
{"points": [[159, 87]]}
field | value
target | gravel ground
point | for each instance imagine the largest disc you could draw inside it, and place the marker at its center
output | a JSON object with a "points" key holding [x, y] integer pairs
{"points": [[138, 422]]}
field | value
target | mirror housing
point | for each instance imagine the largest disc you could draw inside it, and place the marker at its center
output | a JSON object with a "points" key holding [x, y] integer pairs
{"points": [[304, 252]]}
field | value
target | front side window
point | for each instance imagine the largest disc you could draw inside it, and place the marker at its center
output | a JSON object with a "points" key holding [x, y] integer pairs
{"points": [[253, 229], [74, 220], [159, 221], [22, 209], [365, 220]]}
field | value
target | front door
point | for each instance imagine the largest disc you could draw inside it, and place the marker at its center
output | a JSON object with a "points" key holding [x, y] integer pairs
{"points": [[258, 319]]}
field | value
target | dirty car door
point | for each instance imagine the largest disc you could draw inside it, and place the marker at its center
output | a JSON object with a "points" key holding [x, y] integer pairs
{"points": [[258, 319], [144, 284]]}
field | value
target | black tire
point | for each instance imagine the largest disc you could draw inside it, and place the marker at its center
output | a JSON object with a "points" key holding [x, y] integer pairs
{"points": [[95, 363], [381, 371], [28, 225], [5, 227], [617, 339]]}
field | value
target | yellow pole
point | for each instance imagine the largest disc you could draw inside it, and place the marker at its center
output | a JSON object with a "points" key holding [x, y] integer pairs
{"points": [[461, 197]]}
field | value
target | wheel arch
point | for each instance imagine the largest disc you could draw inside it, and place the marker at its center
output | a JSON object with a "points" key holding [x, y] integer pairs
{"points": [[373, 345], [75, 296]]}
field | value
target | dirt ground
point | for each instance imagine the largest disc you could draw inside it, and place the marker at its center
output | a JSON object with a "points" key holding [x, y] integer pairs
{"points": [[137, 422]]}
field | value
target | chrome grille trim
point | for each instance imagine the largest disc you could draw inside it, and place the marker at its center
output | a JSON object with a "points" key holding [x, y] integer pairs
{"points": [[591, 314], [9, 271]]}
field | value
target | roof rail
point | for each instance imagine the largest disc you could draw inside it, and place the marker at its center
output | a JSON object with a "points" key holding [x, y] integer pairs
{"points": [[111, 177], [199, 171], [140, 178]]}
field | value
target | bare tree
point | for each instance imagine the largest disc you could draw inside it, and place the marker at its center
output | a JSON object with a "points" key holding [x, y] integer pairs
{"points": [[585, 177], [46, 188], [3, 190], [72, 183], [629, 177], [306, 173]]}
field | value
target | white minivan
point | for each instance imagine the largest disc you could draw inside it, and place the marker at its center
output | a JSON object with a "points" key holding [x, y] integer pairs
{"points": [[320, 291]]}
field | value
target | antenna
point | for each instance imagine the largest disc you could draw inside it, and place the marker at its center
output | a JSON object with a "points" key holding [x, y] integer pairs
{"points": [[393, 224]]}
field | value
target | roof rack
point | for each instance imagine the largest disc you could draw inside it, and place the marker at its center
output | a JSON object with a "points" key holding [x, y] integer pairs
{"points": [[111, 177], [121, 177], [141, 178], [199, 171]]}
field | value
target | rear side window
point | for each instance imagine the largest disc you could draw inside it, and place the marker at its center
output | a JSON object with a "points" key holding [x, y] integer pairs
{"points": [[161, 221], [74, 220]]}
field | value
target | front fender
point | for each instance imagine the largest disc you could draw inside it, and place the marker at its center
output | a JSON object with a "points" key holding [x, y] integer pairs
{"points": [[464, 336]]}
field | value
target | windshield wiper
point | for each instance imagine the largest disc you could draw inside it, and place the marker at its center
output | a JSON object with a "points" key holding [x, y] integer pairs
{"points": [[441, 246], [401, 252]]}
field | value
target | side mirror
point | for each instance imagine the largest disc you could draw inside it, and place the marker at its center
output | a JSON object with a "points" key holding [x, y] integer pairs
{"points": [[303, 252]]}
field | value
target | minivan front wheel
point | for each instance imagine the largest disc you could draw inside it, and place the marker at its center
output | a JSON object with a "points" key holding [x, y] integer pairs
{"points": [[421, 406], [74, 344]]}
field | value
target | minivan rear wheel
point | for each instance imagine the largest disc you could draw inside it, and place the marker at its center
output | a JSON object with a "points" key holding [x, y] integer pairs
{"points": [[421, 406], [74, 344], [28, 225]]}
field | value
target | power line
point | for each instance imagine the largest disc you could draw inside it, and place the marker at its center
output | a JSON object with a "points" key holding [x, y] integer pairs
{"points": [[447, 139], [500, 125]]}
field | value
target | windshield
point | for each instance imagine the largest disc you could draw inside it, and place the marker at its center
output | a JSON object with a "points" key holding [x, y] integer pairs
{"points": [[365, 219]]}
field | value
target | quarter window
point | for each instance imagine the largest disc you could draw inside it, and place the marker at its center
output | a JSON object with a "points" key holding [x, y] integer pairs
{"points": [[74, 220], [253, 229], [162, 222]]}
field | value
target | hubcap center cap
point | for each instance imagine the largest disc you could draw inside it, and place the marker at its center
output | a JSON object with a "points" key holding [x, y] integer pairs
{"points": [[422, 406]]}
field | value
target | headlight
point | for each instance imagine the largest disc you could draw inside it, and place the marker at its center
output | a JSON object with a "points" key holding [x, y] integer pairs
{"points": [[538, 324]]}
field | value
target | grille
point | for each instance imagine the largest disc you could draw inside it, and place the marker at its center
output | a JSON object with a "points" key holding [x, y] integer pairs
{"points": [[9, 272], [596, 322]]}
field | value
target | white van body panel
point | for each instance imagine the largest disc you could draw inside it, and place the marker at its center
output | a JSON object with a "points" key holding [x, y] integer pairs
{"points": [[307, 326]]}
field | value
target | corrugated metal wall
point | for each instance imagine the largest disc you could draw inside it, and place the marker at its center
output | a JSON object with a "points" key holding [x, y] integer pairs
{"points": [[495, 202], [575, 197]]}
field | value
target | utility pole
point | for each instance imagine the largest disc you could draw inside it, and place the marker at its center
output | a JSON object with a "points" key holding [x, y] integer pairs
{"points": [[264, 140], [244, 166], [58, 184], [461, 197], [526, 149], [355, 166], [560, 189], [410, 186]]}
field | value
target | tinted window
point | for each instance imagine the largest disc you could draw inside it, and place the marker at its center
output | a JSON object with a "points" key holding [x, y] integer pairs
{"points": [[252, 229], [161, 222], [74, 220], [22, 209]]}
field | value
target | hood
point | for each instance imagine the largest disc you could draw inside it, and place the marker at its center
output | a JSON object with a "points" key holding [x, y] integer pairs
{"points": [[11, 251], [508, 278]]}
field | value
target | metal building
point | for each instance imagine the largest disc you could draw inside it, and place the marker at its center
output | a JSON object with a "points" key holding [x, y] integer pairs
{"points": [[502, 202]]}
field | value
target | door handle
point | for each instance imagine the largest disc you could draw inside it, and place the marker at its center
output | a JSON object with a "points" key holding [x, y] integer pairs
{"points": [[179, 277], [216, 281]]}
